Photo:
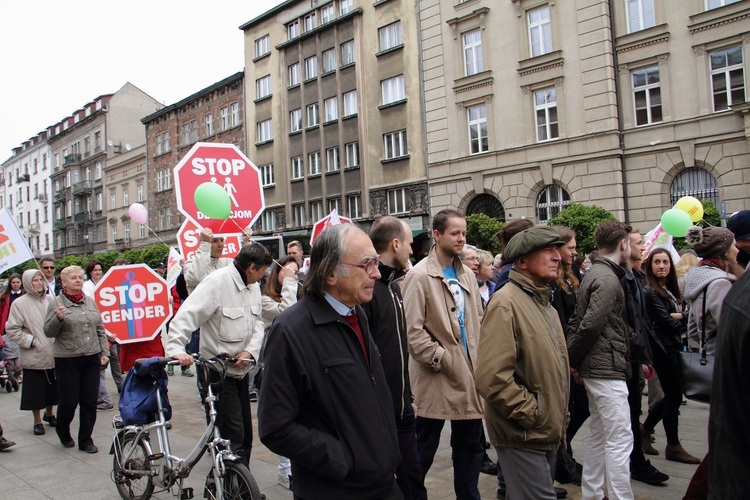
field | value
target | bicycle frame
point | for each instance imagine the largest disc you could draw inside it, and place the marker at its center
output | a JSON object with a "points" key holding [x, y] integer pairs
{"points": [[170, 469]]}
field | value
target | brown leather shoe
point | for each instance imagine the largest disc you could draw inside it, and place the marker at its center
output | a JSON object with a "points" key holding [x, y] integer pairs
{"points": [[648, 448], [676, 453]]}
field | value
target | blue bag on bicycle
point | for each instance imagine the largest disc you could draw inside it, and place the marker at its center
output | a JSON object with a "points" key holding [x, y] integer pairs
{"points": [[138, 404]]}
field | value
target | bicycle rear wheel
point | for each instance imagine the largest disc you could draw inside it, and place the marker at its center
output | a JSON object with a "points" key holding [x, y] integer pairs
{"points": [[132, 477], [238, 483]]}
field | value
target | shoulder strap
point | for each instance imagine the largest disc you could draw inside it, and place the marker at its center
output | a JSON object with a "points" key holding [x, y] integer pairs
{"points": [[703, 328]]}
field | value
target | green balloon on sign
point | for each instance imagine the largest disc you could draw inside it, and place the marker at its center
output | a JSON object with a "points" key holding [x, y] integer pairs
{"points": [[676, 222], [213, 201]]}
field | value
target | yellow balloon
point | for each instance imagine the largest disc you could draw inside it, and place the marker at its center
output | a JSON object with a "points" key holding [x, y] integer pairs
{"points": [[692, 206]]}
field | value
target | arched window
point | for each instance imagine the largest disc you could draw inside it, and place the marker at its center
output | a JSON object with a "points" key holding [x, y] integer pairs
{"points": [[697, 182], [486, 204], [552, 199]]}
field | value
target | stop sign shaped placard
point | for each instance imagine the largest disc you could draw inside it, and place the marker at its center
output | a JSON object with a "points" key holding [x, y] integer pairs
{"points": [[225, 165], [189, 240], [134, 303], [324, 224]]}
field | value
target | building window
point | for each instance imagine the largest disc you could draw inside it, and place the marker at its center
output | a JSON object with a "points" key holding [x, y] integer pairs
{"points": [[127, 232], [640, 14], [392, 89], [647, 96], [208, 125], [292, 30], [354, 206], [99, 202], [159, 180], [167, 178], [697, 182], [298, 215], [141, 231], [346, 6], [266, 175], [727, 77], [224, 118], [293, 74], [540, 31], [350, 103], [550, 203], [190, 132], [473, 62], [329, 60], [298, 168], [331, 109], [332, 160], [162, 146], [295, 119], [478, 142], [713, 4], [347, 53], [265, 131], [326, 14], [545, 107], [311, 67], [99, 164], [316, 210], [310, 22], [313, 115], [268, 220], [352, 155], [390, 36], [395, 144], [234, 114], [313, 159], [114, 233], [262, 46], [112, 201], [334, 204], [263, 87], [139, 190], [125, 198], [397, 201]]}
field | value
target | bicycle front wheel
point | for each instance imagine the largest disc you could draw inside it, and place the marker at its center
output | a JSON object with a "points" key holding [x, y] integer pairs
{"points": [[132, 477], [238, 483]]}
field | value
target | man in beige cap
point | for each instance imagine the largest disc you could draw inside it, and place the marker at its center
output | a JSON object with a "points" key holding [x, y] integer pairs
{"points": [[522, 371]]}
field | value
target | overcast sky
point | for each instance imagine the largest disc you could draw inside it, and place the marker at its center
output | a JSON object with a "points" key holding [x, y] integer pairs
{"points": [[57, 55]]}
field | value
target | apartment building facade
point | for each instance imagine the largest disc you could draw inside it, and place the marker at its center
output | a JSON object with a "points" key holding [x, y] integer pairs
{"points": [[80, 147], [533, 104], [25, 180], [214, 114], [125, 183], [335, 117]]}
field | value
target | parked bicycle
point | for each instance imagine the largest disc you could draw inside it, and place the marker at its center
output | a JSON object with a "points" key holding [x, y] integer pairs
{"points": [[139, 467]]}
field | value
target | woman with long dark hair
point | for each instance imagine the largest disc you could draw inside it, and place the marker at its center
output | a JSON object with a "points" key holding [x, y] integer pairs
{"points": [[668, 314], [10, 293]]}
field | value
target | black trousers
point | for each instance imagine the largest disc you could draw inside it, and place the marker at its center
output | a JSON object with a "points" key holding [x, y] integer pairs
{"points": [[667, 409], [634, 401], [78, 385], [409, 475], [233, 416]]}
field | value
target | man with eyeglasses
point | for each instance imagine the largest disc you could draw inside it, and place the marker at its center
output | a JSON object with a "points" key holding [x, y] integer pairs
{"points": [[326, 403], [54, 285], [443, 310]]}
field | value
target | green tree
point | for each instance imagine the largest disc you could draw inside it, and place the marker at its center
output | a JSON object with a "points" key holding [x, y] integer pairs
{"points": [[155, 253], [711, 217], [583, 220], [70, 260], [481, 230], [134, 255]]}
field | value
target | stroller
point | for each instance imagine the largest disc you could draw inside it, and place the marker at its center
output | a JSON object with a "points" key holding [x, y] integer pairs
{"points": [[6, 380]]}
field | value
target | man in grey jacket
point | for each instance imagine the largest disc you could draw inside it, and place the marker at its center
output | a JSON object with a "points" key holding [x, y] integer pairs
{"points": [[598, 349]]}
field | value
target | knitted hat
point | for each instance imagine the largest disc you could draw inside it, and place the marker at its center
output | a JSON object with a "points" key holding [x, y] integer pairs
{"points": [[529, 240], [739, 224], [710, 242]]}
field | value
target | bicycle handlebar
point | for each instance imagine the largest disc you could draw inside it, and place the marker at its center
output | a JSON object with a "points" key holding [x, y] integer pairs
{"points": [[164, 362]]}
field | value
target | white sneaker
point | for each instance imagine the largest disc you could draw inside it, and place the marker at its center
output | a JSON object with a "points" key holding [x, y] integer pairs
{"points": [[284, 481]]}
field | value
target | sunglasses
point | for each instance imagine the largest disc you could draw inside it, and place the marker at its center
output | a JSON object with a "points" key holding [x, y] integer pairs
{"points": [[48, 267]]}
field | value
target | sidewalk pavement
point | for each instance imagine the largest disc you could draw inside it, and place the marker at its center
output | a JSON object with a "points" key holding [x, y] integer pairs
{"points": [[38, 467]]}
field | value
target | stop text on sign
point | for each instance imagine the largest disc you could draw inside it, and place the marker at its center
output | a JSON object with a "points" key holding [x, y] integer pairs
{"points": [[217, 166], [135, 293]]}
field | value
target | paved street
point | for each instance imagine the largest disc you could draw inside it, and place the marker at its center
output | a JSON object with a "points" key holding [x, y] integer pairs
{"points": [[38, 467]]}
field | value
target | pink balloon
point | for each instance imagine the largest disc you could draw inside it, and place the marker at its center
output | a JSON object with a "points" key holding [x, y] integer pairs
{"points": [[138, 213]]}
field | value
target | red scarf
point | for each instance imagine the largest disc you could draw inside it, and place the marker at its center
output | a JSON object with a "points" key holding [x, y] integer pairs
{"points": [[76, 299], [713, 262]]}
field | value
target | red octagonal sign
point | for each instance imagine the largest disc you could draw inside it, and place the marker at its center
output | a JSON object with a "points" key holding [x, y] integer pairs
{"points": [[225, 165], [134, 303]]}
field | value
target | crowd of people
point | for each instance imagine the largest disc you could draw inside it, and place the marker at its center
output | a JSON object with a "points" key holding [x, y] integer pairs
{"points": [[359, 356]]}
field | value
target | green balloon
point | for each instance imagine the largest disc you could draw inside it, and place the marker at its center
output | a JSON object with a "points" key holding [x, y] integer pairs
{"points": [[213, 201], [676, 222]]}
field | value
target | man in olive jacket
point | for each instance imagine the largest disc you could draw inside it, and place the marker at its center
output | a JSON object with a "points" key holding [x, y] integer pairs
{"points": [[523, 372], [599, 352], [443, 310]]}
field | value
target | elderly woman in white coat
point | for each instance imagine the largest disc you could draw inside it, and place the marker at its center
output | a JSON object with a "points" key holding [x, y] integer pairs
{"points": [[26, 328]]}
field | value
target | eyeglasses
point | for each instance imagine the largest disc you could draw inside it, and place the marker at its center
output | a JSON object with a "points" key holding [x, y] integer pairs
{"points": [[369, 264], [48, 267]]}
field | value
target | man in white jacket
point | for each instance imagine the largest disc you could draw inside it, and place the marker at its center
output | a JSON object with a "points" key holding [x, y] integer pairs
{"points": [[226, 306]]}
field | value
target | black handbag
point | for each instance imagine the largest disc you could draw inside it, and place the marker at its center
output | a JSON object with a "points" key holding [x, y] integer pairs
{"points": [[697, 368]]}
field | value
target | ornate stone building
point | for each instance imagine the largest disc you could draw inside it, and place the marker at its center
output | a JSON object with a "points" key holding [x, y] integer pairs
{"points": [[336, 118]]}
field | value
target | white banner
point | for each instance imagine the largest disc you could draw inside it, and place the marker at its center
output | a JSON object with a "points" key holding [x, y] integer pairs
{"points": [[13, 247], [173, 267]]}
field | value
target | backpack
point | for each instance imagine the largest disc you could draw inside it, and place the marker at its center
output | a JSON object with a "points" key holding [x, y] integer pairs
{"points": [[138, 404]]}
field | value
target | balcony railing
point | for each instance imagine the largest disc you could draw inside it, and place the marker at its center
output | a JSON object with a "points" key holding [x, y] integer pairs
{"points": [[82, 188], [71, 159], [60, 194], [22, 178], [82, 219], [122, 243], [60, 223], [43, 199], [34, 228]]}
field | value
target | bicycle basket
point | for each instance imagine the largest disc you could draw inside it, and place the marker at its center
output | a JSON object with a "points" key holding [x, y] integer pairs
{"points": [[138, 404]]}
